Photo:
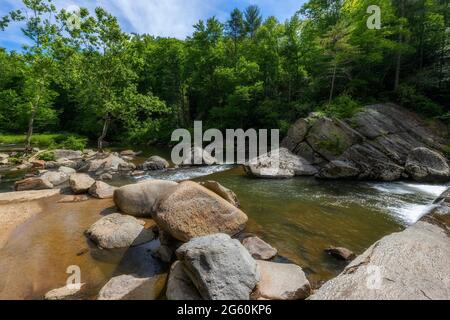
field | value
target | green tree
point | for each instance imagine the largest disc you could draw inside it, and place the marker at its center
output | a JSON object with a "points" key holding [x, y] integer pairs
{"points": [[253, 20]]}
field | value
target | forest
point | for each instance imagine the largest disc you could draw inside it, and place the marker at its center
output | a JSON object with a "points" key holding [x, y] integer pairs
{"points": [[85, 76]]}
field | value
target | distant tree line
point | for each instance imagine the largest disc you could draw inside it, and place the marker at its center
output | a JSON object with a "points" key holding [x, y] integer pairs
{"points": [[89, 77]]}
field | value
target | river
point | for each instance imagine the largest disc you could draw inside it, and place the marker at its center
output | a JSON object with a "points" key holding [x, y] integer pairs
{"points": [[300, 217]]}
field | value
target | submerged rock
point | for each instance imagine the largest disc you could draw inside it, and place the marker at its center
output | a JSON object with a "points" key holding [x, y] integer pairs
{"points": [[280, 281], [424, 164], [80, 183], [140, 199], [191, 210], [220, 267], [222, 191], [340, 253], [119, 231], [259, 249], [179, 285]]}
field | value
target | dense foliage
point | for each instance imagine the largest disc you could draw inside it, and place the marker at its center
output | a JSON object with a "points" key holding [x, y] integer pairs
{"points": [[98, 81]]}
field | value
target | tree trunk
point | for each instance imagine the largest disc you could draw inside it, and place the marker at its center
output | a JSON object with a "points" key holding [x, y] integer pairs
{"points": [[399, 52], [333, 79], [30, 129], [104, 132]]}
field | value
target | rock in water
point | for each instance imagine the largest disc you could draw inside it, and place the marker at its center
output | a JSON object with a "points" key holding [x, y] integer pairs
{"points": [[55, 177], [179, 285], [340, 253], [279, 164], [101, 190], [35, 183], [80, 183], [129, 287], [140, 199], [281, 281], [259, 249], [409, 265], [198, 156], [65, 293], [222, 191], [424, 164], [220, 267], [191, 211], [119, 231], [155, 163]]}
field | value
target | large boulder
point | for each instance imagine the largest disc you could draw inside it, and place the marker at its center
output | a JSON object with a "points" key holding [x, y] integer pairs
{"points": [[220, 267], [191, 211], [101, 190], [222, 191], [280, 281], [80, 183], [409, 265], [119, 231], [33, 183], [424, 164], [279, 164], [155, 163], [140, 199], [179, 285], [55, 177], [102, 163], [258, 248], [130, 287]]}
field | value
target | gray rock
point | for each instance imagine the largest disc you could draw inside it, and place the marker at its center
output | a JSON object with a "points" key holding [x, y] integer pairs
{"points": [[280, 281], [35, 183], [67, 154], [119, 231], [191, 210], [424, 164], [155, 163], [66, 170], [80, 183], [222, 191], [296, 135], [198, 156], [130, 287], [278, 165], [55, 177], [220, 267], [338, 169], [409, 265], [179, 285], [101, 190], [65, 293], [140, 199], [259, 249]]}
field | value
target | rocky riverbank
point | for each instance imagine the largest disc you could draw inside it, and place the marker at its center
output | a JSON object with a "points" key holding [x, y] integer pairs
{"points": [[381, 142]]}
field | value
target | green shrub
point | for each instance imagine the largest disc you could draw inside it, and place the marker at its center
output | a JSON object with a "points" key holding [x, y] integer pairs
{"points": [[342, 107], [74, 143], [408, 97], [47, 156]]}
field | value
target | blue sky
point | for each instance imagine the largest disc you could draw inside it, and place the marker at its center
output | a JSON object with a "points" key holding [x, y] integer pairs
{"points": [[173, 18]]}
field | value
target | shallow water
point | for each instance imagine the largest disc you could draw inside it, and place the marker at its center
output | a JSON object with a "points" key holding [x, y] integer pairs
{"points": [[300, 217]]}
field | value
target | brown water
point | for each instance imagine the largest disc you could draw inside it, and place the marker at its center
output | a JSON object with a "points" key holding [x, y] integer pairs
{"points": [[300, 217]]}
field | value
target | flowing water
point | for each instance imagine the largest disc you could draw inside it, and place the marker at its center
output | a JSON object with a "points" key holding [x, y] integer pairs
{"points": [[300, 217]]}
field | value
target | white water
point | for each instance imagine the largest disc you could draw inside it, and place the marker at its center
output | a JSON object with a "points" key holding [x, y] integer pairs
{"points": [[184, 173], [409, 202]]}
